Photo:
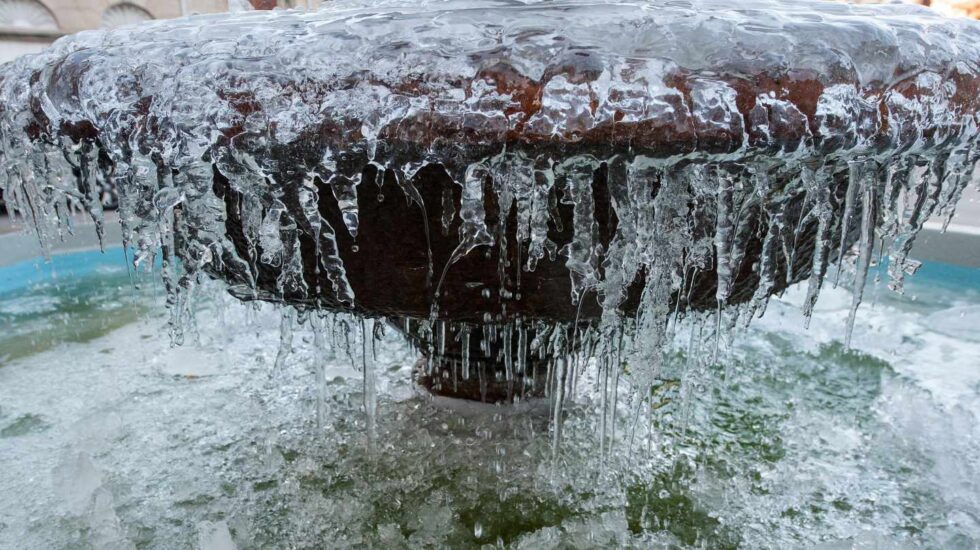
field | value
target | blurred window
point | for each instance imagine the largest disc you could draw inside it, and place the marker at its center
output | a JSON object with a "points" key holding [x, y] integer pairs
{"points": [[26, 16], [124, 14]]}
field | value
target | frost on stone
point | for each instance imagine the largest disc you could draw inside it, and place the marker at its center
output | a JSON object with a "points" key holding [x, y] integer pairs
{"points": [[719, 126]]}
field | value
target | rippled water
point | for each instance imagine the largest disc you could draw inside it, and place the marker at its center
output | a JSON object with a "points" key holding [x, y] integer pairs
{"points": [[111, 438]]}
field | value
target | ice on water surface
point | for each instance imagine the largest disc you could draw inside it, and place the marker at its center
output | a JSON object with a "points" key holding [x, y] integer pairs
{"points": [[207, 445]]}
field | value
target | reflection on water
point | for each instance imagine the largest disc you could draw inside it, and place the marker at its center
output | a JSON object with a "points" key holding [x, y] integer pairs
{"points": [[120, 441]]}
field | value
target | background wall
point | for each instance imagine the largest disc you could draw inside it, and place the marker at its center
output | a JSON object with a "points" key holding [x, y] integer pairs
{"points": [[27, 26]]}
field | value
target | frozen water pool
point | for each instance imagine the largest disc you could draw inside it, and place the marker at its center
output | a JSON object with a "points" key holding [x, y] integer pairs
{"points": [[111, 438]]}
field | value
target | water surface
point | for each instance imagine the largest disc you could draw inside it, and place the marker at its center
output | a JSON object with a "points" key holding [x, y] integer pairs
{"points": [[111, 438]]}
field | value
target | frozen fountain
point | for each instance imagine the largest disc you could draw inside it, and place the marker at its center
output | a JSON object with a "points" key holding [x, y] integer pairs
{"points": [[512, 184], [506, 182], [627, 208]]}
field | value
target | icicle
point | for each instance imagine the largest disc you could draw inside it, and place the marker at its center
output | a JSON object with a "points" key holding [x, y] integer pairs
{"points": [[466, 351], [285, 340], [320, 358], [292, 270], [865, 245], [919, 199], [604, 406], [473, 229], [620, 262], [581, 251], [558, 403], [88, 156], [345, 191], [521, 347], [269, 238], [442, 336], [333, 265], [855, 182], [767, 261], [370, 382], [819, 190], [448, 208], [544, 181], [724, 230], [508, 358], [958, 172]]}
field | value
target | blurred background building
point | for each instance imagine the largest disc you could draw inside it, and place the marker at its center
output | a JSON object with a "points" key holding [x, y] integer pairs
{"points": [[969, 8], [29, 25]]}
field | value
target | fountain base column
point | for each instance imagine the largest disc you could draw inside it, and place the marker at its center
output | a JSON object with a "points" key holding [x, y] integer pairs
{"points": [[485, 382], [487, 366]]}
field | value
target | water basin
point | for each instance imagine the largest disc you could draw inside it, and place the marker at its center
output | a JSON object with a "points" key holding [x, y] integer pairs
{"points": [[112, 438]]}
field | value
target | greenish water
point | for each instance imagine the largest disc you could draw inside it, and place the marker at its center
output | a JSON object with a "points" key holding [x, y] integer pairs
{"points": [[73, 298], [120, 440]]}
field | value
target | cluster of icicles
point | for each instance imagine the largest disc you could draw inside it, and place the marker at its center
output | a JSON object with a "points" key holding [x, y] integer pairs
{"points": [[80, 119], [885, 203]]}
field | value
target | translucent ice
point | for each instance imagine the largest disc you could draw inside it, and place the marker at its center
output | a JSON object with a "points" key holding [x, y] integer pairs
{"points": [[799, 126]]}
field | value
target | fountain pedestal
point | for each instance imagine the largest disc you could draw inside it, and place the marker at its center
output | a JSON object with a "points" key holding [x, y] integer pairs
{"points": [[487, 380], [478, 364]]}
